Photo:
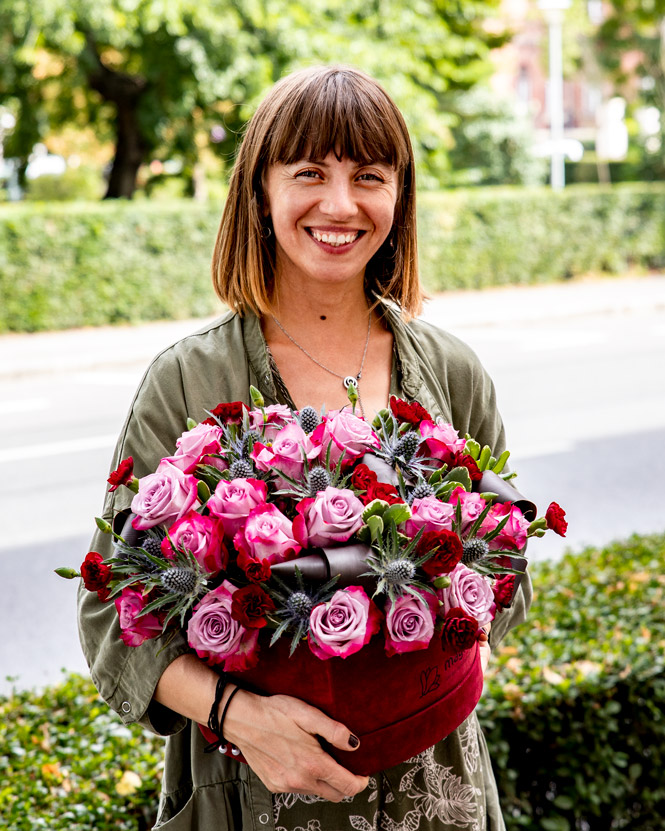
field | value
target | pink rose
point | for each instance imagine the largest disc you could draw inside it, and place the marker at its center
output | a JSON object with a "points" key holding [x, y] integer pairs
{"points": [[470, 592], [409, 623], [344, 624], [232, 502], [431, 514], [277, 415], [471, 505], [441, 440], [333, 515], [345, 433], [194, 447], [135, 629], [512, 536], [267, 535], [202, 536], [287, 453], [217, 637], [163, 497]]}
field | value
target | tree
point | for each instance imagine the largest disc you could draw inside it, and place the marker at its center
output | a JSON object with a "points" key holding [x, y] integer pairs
{"points": [[155, 75], [631, 47]]}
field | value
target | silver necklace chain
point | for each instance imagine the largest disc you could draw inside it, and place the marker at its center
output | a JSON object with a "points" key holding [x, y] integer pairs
{"points": [[347, 380]]}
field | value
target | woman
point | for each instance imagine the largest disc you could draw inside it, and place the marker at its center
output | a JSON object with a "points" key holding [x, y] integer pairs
{"points": [[316, 256]]}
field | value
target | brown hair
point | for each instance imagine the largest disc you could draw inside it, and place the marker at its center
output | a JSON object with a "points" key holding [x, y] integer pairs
{"points": [[308, 115]]}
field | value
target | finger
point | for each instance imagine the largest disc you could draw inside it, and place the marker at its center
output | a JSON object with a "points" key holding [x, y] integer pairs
{"points": [[326, 791], [334, 732]]}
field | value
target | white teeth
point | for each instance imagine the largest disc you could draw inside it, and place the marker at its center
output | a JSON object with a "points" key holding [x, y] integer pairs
{"points": [[335, 239]]}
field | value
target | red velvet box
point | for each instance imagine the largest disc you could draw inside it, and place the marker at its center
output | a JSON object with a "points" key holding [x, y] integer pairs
{"points": [[397, 706]]}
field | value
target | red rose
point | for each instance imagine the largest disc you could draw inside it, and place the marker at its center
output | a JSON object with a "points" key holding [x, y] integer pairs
{"points": [[362, 478], [555, 517], [229, 413], [249, 606], [464, 460], [412, 413], [460, 631], [504, 588], [447, 549], [122, 475], [96, 575], [382, 490]]}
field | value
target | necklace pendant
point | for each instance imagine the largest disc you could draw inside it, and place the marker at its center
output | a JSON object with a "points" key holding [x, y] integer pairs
{"points": [[350, 381]]}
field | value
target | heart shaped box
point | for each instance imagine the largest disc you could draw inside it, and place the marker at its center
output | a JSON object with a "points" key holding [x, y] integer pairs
{"points": [[397, 706]]}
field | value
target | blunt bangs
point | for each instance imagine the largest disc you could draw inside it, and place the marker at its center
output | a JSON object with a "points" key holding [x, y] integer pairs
{"points": [[336, 111]]}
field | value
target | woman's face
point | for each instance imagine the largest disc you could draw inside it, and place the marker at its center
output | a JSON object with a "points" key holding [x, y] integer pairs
{"points": [[329, 217]]}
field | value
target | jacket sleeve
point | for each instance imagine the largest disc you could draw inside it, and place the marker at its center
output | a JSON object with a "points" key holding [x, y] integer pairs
{"points": [[126, 677]]}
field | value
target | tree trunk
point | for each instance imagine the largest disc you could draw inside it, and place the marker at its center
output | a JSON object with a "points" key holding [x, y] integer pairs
{"points": [[125, 91], [129, 152]]}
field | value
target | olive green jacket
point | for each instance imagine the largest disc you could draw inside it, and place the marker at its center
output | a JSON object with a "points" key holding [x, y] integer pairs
{"points": [[218, 363]]}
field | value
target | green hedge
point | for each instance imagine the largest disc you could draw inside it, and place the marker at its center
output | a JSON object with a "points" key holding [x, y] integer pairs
{"points": [[75, 264], [574, 713]]}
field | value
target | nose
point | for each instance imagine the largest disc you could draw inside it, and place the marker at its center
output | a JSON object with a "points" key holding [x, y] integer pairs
{"points": [[338, 201]]}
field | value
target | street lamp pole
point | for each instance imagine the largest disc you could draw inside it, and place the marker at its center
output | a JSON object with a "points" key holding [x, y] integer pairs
{"points": [[554, 10]]}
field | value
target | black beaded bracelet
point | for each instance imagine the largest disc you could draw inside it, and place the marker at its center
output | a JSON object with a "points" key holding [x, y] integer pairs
{"points": [[226, 707], [214, 724]]}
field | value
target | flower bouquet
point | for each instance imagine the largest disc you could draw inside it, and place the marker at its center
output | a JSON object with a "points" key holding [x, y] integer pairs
{"points": [[348, 563]]}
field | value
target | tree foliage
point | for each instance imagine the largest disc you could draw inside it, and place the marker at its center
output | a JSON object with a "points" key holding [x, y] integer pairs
{"points": [[155, 76]]}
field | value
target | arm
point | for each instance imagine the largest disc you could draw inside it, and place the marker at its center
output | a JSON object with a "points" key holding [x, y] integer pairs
{"points": [[276, 734]]}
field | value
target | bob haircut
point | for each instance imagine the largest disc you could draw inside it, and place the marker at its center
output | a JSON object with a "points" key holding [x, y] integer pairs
{"points": [[310, 114]]}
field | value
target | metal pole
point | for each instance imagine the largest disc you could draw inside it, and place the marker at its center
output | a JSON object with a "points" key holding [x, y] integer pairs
{"points": [[558, 176]]}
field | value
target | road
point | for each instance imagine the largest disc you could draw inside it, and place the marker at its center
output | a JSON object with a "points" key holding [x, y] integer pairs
{"points": [[582, 394]]}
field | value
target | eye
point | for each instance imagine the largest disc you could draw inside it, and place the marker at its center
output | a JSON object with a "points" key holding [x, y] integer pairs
{"points": [[307, 174], [370, 177]]}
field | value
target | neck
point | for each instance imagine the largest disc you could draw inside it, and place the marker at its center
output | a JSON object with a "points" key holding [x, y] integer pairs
{"points": [[342, 309]]}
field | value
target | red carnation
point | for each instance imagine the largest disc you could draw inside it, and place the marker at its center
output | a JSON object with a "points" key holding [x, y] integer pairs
{"points": [[447, 549], [123, 474], [464, 460], [460, 631], [504, 588], [96, 575], [382, 490], [229, 413], [555, 517], [362, 477], [249, 606], [412, 413]]}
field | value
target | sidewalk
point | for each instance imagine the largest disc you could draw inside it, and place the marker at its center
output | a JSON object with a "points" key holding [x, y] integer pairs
{"points": [[24, 355]]}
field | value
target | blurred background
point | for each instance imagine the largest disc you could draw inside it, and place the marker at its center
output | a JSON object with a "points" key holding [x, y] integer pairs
{"points": [[538, 127]]}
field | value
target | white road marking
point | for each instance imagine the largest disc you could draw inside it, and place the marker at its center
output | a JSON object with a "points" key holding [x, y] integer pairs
{"points": [[57, 448]]}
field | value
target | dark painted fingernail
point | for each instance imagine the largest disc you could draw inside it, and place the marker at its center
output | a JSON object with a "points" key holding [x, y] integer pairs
{"points": [[354, 741]]}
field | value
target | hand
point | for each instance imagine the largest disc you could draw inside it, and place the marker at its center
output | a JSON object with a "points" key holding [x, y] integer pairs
{"points": [[485, 651], [277, 735]]}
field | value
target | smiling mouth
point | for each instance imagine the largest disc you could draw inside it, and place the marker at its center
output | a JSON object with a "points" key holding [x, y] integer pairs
{"points": [[336, 240]]}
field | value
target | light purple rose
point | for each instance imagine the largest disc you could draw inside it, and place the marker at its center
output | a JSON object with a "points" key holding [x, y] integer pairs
{"points": [[217, 637], [334, 515], [409, 623], [345, 433], [287, 453], [277, 415], [164, 496], [471, 506], [232, 502], [194, 446], [441, 440], [431, 514], [470, 592], [267, 535], [344, 624], [513, 535]]}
